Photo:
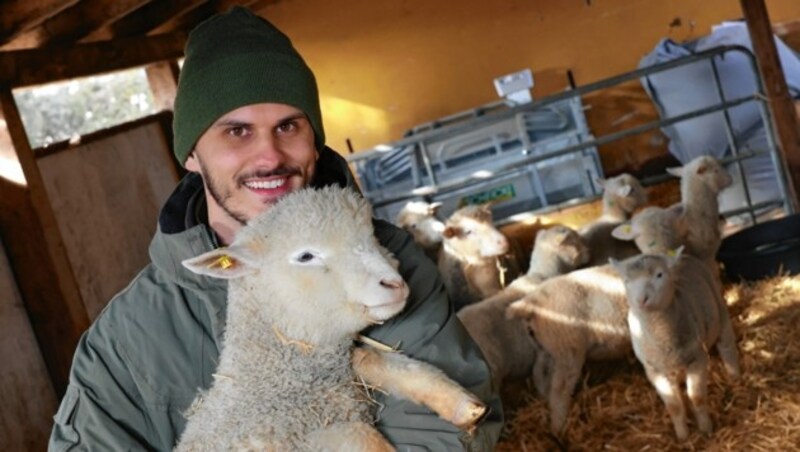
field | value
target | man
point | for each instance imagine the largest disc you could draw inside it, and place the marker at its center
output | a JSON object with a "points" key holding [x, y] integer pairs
{"points": [[248, 128]]}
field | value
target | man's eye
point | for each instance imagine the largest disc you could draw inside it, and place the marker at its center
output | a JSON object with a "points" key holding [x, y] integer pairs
{"points": [[287, 127], [237, 131]]}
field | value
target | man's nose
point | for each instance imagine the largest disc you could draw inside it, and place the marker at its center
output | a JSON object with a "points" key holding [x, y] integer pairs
{"points": [[266, 150]]}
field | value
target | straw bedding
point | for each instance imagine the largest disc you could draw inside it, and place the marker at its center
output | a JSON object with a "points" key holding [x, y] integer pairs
{"points": [[616, 409]]}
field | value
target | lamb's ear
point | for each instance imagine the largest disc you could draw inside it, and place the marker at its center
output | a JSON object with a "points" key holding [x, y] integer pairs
{"points": [[450, 232], [434, 207], [674, 255], [624, 232], [232, 262], [600, 182], [676, 171], [624, 191]]}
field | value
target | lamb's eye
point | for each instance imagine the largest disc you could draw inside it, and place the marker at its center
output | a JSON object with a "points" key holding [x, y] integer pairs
{"points": [[659, 275], [305, 257]]}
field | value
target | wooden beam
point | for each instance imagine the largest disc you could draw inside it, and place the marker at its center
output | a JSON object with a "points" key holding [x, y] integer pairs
{"points": [[38, 66], [80, 20], [163, 79], [37, 252], [193, 17], [21, 15], [144, 19], [784, 117]]}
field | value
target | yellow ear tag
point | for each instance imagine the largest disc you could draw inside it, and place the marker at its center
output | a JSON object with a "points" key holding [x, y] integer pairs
{"points": [[672, 253], [626, 229], [223, 261]]}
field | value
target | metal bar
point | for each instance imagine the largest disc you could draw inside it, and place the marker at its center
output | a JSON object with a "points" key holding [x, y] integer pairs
{"points": [[731, 138]]}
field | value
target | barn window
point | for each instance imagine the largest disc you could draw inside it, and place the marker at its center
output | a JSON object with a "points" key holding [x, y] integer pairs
{"points": [[66, 110]]}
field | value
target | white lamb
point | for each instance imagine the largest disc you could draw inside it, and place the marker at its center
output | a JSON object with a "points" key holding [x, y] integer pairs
{"points": [[676, 315], [622, 195], [694, 222], [702, 180], [305, 278], [471, 260], [506, 343], [655, 230], [575, 317], [419, 219]]}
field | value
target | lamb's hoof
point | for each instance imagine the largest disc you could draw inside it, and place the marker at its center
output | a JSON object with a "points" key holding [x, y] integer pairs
{"points": [[469, 414]]}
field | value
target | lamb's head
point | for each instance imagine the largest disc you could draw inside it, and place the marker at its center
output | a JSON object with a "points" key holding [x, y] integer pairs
{"points": [[654, 230], [623, 193], [419, 219], [312, 263], [469, 233], [562, 243], [649, 279], [706, 171]]}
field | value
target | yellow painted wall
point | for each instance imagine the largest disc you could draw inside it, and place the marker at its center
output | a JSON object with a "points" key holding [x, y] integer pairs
{"points": [[384, 66]]}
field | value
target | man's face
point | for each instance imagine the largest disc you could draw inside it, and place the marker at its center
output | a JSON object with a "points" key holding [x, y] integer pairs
{"points": [[249, 158]]}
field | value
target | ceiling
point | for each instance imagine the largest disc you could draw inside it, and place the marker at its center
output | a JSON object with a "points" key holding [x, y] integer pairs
{"points": [[28, 24]]}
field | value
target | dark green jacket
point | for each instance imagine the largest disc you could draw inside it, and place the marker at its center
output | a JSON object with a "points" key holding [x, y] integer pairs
{"points": [[141, 363]]}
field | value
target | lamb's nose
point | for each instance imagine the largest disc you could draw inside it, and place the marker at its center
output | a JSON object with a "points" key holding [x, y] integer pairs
{"points": [[392, 283]]}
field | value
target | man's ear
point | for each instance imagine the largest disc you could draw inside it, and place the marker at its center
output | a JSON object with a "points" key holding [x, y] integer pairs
{"points": [[192, 164], [232, 262]]}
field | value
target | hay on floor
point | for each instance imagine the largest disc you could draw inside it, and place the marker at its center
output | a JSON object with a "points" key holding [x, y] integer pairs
{"points": [[616, 409]]}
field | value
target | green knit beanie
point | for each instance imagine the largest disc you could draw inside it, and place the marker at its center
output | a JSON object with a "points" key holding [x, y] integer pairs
{"points": [[237, 59]]}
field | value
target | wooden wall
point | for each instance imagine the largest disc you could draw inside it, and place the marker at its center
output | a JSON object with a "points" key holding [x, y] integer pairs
{"points": [[26, 394], [106, 194]]}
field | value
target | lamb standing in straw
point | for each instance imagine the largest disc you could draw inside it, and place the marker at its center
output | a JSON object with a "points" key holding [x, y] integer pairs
{"points": [[471, 259], [575, 317], [297, 299], [506, 344], [694, 221], [676, 314]]}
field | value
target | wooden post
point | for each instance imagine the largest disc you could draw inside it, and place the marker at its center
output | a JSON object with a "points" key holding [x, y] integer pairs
{"points": [[163, 79], [39, 258], [780, 104]]}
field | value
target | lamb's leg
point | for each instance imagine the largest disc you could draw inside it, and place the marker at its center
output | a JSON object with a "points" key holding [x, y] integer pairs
{"points": [[542, 370], [421, 383], [697, 388], [726, 346], [566, 373], [347, 437], [670, 393]]}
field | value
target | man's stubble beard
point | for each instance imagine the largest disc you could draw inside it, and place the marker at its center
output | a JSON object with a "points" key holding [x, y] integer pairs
{"points": [[217, 191]]}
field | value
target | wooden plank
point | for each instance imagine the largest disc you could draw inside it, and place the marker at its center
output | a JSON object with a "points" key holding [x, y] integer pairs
{"points": [[144, 19], [80, 20], [29, 399], [193, 17], [163, 80], [38, 66], [784, 117], [21, 15], [106, 195], [37, 253]]}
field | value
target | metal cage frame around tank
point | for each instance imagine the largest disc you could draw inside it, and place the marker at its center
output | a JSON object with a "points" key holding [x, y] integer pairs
{"points": [[736, 157]]}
